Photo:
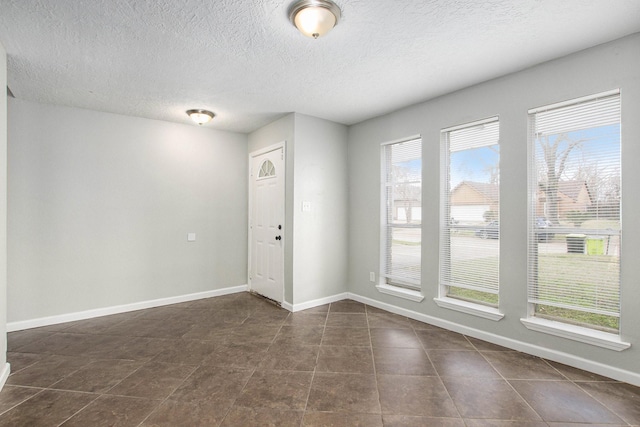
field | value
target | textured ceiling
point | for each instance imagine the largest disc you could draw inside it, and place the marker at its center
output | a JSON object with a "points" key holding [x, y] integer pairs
{"points": [[243, 60]]}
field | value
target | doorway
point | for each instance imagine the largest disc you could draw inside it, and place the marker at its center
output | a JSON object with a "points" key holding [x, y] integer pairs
{"points": [[266, 222]]}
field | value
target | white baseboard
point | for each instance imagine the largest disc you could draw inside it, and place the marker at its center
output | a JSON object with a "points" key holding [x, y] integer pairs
{"points": [[315, 303], [546, 353], [4, 374], [89, 314]]}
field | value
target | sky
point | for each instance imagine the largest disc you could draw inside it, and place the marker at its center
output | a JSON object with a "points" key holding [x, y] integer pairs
{"points": [[602, 142], [476, 164], [473, 164]]}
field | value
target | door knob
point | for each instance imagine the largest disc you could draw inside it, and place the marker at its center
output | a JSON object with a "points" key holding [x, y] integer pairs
{"points": [[278, 237]]}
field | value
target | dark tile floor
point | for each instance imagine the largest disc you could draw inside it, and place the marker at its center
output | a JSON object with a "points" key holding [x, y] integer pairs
{"points": [[237, 360]]}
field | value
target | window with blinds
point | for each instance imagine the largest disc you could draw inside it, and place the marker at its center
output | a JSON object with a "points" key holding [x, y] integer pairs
{"points": [[402, 213], [574, 216], [470, 203]]}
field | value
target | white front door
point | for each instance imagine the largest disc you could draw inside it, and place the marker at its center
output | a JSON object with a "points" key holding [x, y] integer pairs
{"points": [[266, 223]]}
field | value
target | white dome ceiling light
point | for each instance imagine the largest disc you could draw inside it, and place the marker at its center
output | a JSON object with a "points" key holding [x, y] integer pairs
{"points": [[200, 116], [314, 18]]}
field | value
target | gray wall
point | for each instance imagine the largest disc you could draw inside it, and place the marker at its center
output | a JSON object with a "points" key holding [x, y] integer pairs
{"points": [[3, 207], [316, 171], [100, 206], [320, 235], [610, 66]]}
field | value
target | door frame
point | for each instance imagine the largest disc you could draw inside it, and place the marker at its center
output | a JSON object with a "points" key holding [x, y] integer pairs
{"points": [[280, 145]]}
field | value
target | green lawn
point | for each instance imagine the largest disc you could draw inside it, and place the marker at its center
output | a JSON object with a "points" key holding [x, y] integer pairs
{"points": [[405, 242], [485, 270], [581, 318], [474, 296], [593, 278], [602, 224]]}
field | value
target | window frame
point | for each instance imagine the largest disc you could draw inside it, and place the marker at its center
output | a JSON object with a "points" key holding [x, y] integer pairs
{"points": [[398, 286], [473, 307], [584, 332]]}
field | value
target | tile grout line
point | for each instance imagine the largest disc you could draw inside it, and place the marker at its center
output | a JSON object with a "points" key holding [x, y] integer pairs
{"points": [[508, 382], [17, 350], [24, 367], [127, 376], [575, 383], [91, 360], [23, 401], [453, 402], [255, 368], [51, 387], [179, 385], [373, 361], [168, 395], [106, 391], [567, 379], [315, 367], [79, 410]]}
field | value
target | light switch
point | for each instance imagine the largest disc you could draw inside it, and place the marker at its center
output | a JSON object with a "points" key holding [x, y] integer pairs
{"points": [[306, 206], [191, 237]]}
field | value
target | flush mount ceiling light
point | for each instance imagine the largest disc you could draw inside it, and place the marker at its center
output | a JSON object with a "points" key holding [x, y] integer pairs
{"points": [[200, 116], [314, 18]]}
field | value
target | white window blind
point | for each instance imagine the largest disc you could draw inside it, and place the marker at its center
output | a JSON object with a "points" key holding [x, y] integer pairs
{"points": [[574, 219], [402, 213], [470, 203]]}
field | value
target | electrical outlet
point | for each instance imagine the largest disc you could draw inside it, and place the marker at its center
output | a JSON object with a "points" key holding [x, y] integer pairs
{"points": [[372, 276]]}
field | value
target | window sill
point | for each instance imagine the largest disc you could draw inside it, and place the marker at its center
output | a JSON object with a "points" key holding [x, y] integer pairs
{"points": [[576, 333], [470, 308], [400, 292]]}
